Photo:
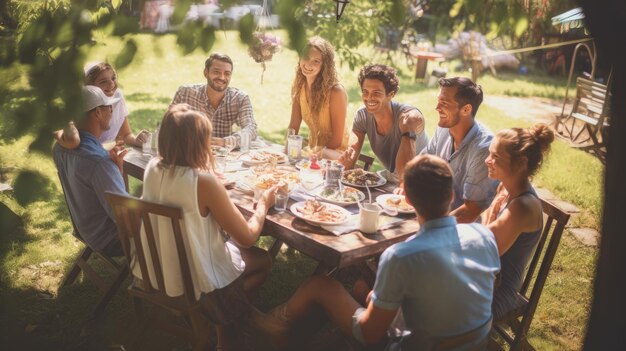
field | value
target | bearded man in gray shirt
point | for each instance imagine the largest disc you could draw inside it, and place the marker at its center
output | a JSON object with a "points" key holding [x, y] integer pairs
{"points": [[395, 130]]}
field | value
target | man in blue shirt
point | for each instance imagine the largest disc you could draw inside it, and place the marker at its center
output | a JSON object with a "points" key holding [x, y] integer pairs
{"points": [[88, 171], [464, 143], [441, 278]]}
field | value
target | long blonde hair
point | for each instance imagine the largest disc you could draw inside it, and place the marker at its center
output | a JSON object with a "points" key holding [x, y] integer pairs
{"points": [[326, 79], [185, 138]]}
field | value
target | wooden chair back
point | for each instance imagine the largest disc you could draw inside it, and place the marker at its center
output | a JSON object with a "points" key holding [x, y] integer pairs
{"points": [[133, 214], [367, 161], [591, 102], [520, 319], [107, 286]]}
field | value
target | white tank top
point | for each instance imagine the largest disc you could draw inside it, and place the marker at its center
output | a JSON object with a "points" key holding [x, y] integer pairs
{"points": [[213, 263]]}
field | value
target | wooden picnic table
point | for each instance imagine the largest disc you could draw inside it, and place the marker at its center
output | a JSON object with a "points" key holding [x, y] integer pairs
{"points": [[422, 62], [330, 251]]}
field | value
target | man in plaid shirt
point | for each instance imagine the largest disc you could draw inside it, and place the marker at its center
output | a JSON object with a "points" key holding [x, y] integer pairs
{"points": [[223, 105]]}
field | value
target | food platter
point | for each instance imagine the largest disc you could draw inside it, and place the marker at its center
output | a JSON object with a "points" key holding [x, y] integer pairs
{"points": [[257, 157], [317, 213], [360, 178], [348, 196], [265, 177], [397, 202]]}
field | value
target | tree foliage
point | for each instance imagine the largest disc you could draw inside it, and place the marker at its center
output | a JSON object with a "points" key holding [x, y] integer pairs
{"points": [[51, 39], [359, 25], [522, 21]]}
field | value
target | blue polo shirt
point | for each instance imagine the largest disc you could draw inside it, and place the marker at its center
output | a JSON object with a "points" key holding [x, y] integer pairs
{"points": [[468, 164], [442, 277], [86, 173]]}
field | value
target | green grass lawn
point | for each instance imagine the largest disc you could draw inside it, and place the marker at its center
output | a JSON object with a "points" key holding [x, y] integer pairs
{"points": [[36, 315]]}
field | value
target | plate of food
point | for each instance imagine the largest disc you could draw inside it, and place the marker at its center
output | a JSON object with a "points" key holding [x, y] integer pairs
{"points": [[360, 178], [397, 202], [268, 178], [317, 213], [256, 157], [348, 195]]}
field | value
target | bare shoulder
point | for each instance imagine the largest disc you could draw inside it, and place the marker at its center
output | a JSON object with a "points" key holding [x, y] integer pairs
{"points": [[207, 183], [338, 90], [526, 207]]}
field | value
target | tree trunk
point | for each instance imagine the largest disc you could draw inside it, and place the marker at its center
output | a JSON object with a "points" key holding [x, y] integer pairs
{"points": [[607, 323]]}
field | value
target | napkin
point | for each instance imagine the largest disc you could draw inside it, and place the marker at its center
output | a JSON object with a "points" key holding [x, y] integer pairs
{"points": [[353, 224], [300, 194]]}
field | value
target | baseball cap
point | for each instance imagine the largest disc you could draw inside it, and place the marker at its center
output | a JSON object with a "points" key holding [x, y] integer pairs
{"points": [[94, 97]]}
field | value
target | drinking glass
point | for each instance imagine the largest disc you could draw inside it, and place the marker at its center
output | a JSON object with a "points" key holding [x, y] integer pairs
{"points": [[294, 146], [229, 144], [333, 174], [281, 201], [245, 142], [146, 147]]}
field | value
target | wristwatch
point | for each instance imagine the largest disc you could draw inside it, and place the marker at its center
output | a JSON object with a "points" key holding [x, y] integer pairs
{"points": [[410, 135]]}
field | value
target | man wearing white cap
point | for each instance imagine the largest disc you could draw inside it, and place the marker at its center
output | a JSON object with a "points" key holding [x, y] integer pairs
{"points": [[88, 171]]}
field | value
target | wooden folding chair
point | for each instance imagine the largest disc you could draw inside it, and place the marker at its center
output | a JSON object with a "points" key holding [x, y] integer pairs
{"points": [[107, 286], [518, 320], [130, 214]]}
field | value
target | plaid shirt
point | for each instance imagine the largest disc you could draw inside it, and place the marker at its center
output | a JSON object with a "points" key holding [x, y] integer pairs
{"points": [[235, 108]]}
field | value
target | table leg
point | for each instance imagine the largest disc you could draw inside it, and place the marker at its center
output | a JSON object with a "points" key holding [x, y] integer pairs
{"points": [[420, 68], [275, 248], [323, 268]]}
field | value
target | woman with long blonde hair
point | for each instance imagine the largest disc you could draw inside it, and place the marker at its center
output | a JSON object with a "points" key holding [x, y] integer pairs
{"points": [[318, 98]]}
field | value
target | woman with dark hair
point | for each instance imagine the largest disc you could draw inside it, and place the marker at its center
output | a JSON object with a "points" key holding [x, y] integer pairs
{"points": [[225, 266], [318, 98], [515, 215]]}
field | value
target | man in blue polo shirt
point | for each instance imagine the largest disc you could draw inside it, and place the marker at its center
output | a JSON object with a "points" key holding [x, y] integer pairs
{"points": [[464, 143], [441, 278], [88, 171]]}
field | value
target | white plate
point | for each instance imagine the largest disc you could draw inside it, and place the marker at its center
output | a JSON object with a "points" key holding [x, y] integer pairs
{"points": [[294, 209], [360, 195], [248, 158], [381, 180], [306, 163], [382, 200]]}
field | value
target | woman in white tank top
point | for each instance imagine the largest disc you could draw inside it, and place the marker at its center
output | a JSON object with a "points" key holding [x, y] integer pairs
{"points": [[224, 264]]}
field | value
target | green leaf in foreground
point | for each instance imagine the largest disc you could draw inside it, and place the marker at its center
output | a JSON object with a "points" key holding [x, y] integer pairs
{"points": [[246, 26], [126, 56]]}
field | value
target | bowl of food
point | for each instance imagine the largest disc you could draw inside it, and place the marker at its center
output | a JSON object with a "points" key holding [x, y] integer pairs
{"points": [[343, 197], [395, 202], [360, 178]]}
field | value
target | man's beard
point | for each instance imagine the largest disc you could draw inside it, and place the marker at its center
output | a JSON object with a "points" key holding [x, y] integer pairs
{"points": [[215, 87]]}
